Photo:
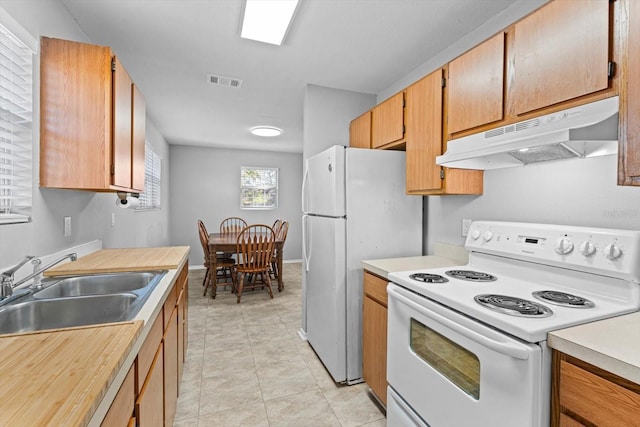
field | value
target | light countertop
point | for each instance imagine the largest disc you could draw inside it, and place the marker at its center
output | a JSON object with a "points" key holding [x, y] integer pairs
{"points": [[87, 384], [445, 255], [611, 344]]}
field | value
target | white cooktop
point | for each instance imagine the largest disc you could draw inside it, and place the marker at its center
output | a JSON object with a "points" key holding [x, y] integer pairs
{"points": [[609, 282]]}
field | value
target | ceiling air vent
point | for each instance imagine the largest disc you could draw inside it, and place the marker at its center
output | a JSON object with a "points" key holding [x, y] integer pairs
{"points": [[224, 80]]}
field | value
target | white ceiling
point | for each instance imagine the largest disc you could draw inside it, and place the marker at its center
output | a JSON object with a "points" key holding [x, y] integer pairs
{"points": [[169, 47]]}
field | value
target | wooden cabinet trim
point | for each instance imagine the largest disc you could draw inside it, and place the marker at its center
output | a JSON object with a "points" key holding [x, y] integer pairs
{"points": [[148, 351], [375, 287]]}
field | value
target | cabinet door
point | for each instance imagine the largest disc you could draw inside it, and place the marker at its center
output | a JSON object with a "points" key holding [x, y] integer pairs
{"points": [[138, 139], [170, 344], [121, 409], [561, 53], [475, 87], [360, 131], [122, 104], [75, 115], [149, 405], [629, 169], [374, 336], [387, 121], [424, 133]]}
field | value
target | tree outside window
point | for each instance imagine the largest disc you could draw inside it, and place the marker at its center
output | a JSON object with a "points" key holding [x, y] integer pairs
{"points": [[258, 188]]}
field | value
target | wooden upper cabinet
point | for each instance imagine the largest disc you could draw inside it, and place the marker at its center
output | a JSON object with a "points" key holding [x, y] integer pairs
{"points": [[561, 53], [424, 138], [387, 121], [629, 154], [475, 87], [87, 119], [139, 126], [360, 131], [424, 133], [122, 125]]}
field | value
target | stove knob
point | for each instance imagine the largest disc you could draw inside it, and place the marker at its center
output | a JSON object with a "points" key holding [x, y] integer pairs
{"points": [[612, 251], [587, 248], [488, 235], [563, 246], [475, 234]]}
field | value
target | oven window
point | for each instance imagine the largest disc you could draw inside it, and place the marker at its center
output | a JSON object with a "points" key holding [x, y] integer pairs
{"points": [[456, 363]]}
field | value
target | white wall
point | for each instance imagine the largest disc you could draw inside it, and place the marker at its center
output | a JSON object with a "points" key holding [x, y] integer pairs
{"points": [[205, 184], [90, 212], [574, 192], [327, 114]]}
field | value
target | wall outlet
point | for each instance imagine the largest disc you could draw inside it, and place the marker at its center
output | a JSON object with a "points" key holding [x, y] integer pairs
{"points": [[113, 219], [466, 225], [67, 226]]}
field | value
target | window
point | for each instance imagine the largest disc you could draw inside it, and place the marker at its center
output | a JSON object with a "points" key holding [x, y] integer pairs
{"points": [[258, 188], [150, 198], [16, 98]]}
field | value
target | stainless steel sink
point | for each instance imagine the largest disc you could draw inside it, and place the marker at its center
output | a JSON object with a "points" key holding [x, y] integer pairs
{"points": [[97, 284], [35, 315], [80, 300]]}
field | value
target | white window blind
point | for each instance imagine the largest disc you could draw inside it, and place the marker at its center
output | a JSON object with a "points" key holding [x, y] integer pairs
{"points": [[258, 188], [150, 198], [16, 88]]}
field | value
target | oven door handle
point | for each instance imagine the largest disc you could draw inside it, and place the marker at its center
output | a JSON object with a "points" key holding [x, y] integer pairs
{"points": [[509, 348]]}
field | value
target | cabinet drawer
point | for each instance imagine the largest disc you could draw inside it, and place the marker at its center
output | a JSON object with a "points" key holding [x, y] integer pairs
{"points": [[148, 350], [597, 399], [376, 288]]}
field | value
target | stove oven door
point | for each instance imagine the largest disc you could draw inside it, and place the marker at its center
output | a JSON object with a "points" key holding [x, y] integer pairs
{"points": [[454, 371]]}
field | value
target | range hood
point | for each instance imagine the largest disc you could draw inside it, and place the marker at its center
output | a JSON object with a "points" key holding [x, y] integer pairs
{"points": [[586, 131]]}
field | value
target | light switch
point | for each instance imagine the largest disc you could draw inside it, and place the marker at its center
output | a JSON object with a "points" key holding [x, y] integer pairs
{"points": [[113, 219], [466, 224], [67, 226]]}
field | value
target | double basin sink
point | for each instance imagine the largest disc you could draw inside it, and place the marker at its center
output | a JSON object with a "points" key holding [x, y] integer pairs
{"points": [[80, 300]]}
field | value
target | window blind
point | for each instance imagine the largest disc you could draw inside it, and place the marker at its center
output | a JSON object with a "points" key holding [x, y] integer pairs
{"points": [[150, 198], [16, 94]]}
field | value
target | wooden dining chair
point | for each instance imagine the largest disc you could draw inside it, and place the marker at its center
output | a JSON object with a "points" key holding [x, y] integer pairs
{"points": [[225, 266], [232, 224], [281, 234], [254, 246], [276, 226]]}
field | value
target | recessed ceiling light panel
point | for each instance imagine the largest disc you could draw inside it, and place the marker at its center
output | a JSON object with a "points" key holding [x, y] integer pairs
{"points": [[267, 20], [266, 131]]}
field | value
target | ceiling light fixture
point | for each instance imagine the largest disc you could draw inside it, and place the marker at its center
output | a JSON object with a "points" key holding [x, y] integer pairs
{"points": [[267, 20], [266, 131]]}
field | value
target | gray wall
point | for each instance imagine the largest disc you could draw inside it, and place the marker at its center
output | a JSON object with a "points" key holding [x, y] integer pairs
{"points": [[327, 114], [205, 184], [90, 212]]}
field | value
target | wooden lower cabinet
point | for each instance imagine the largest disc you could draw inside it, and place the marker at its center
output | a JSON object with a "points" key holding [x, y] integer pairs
{"points": [[585, 395], [150, 402], [149, 393], [170, 341], [374, 335], [121, 410]]}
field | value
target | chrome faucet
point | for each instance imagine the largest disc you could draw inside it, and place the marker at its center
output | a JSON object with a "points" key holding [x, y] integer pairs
{"points": [[7, 276]]}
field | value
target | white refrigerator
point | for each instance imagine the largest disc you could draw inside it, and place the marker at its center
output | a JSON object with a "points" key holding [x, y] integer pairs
{"points": [[354, 208]]}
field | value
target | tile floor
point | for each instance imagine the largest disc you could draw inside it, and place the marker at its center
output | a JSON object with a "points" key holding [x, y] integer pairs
{"points": [[246, 365]]}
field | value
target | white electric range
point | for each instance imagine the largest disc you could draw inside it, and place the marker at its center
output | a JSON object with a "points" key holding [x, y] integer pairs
{"points": [[467, 345]]}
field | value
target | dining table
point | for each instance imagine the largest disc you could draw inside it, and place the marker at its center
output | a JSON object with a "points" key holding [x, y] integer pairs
{"points": [[227, 242]]}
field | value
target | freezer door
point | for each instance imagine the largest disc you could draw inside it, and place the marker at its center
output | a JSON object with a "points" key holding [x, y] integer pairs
{"points": [[323, 186], [325, 279]]}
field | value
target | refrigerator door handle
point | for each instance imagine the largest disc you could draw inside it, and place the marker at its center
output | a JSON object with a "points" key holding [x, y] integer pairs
{"points": [[304, 242], [304, 186]]}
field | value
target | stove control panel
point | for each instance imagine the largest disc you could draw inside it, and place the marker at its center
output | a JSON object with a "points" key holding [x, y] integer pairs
{"points": [[611, 252]]}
